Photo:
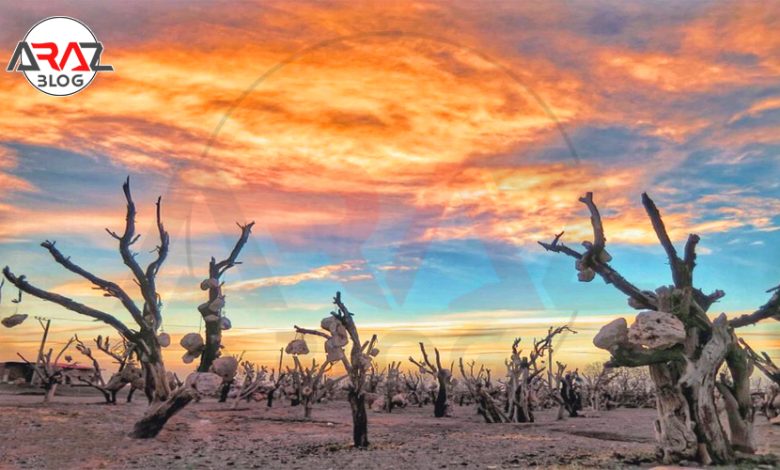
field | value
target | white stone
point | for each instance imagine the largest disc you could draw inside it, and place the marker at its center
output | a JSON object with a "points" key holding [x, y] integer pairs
{"points": [[13, 320], [656, 330], [206, 383], [217, 304], [225, 367], [192, 342], [297, 346], [612, 334], [586, 275]]}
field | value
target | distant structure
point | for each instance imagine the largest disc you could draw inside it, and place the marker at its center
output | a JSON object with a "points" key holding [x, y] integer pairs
{"points": [[19, 372]]}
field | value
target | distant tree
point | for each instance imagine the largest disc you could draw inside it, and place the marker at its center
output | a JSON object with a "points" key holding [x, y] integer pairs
{"points": [[341, 331], [442, 375], [47, 372]]}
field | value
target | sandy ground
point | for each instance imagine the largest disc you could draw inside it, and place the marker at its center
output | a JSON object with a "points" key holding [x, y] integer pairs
{"points": [[79, 432]]}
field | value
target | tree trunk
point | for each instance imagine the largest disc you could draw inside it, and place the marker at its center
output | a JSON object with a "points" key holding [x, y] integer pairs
{"points": [[211, 349], [440, 405], [738, 400], [158, 414], [156, 384], [50, 392], [224, 391], [674, 430], [359, 419], [270, 402]]}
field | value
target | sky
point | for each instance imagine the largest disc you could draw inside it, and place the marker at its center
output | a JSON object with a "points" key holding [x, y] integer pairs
{"points": [[408, 154]]}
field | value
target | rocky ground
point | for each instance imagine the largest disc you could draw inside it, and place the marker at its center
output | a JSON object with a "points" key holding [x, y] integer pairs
{"points": [[79, 432]]}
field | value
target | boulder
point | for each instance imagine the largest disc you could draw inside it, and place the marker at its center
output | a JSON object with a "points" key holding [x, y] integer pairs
{"points": [[226, 323], [399, 400], [206, 383], [209, 283], [612, 334], [164, 339], [225, 367], [656, 330], [378, 404]]}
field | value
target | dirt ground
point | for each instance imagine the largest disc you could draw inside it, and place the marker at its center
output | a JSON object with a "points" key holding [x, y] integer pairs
{"points": [[79, 432]]}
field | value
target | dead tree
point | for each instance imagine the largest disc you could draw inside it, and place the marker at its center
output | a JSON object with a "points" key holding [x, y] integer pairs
{"points": [[524, 375], [479, 387], [568, 384], [763, 362], [682, 346], [342, 330], [211, 311], [308, 382], [49, 373], [596, 379], [126, 373], [413, 383], [443, 377], [146, 345], [276, 380], [255, 378], [392, 387]]}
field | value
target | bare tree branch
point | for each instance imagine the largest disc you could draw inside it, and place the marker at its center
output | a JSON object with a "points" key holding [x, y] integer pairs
{"points": [[21, 283], [109, 287], [146, 284], [680, 272], [771, 309], [609, 274], [228, 263]]}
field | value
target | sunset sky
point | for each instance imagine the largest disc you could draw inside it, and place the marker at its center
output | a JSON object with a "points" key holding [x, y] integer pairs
{"points": [[409, 154]]}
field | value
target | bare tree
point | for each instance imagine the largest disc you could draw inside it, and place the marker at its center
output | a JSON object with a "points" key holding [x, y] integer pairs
{"points": [[164, 402], [442, 375], [342, 330], [392, 387], [525, 374], [596, 379], [308, 382], [682, 346], [127, 372], [211, 311], [49, 373], [763, 362], [482, 392]]}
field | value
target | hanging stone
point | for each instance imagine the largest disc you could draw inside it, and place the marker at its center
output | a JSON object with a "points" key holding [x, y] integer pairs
{"points": [[13, 320], [192, 342], [297, 346], [164, 339], [217, 304]]}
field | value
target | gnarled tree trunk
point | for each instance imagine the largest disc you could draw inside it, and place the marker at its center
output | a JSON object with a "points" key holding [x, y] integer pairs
{"points": [[357, 402]]}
